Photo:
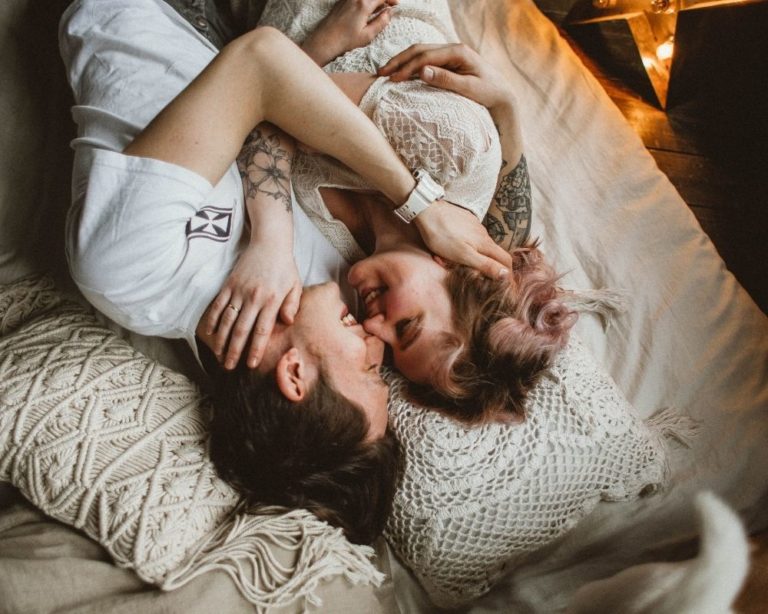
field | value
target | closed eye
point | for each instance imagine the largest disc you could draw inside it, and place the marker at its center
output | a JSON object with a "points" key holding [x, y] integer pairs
{"points": [[408, 331]]}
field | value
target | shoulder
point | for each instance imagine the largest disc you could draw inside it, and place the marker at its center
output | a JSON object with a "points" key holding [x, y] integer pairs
{"points": [[132, 41]]}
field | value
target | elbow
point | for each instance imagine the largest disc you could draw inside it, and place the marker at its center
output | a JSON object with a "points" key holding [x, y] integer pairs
{"points": [[260, 44]]}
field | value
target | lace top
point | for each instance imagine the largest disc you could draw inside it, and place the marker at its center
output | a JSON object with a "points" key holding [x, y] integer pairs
{"points": [[451, 137]]}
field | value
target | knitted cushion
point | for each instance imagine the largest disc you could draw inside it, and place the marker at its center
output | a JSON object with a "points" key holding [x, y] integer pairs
{"points": [[104, 439], [474, 501]]}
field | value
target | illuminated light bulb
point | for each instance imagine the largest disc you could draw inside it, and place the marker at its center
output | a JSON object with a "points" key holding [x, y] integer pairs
{"points": [[665, 50], [648, 62], [604, 4], [660, 6]]}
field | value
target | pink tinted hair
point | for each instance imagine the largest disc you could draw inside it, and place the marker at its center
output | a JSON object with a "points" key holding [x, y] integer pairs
{"points": [[507, 333]]}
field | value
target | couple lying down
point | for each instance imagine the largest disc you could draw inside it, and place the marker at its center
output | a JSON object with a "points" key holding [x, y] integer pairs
{"points": [[170, 238]]}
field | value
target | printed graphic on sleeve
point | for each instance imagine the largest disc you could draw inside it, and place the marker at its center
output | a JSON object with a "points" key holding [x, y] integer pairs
{"points": [[213, 223]]}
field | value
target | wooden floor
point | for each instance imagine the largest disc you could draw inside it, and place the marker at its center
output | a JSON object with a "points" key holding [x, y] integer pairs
{"points": [[714, 149]]}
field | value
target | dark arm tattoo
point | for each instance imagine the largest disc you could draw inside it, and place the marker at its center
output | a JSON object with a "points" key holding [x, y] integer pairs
{"points": [[509, 220], [265, 163]]}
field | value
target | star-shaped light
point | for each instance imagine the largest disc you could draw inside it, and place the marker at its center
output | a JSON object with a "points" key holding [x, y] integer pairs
{"points": [[652, 24]]}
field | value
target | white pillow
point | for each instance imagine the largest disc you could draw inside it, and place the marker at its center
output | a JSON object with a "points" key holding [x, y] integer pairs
{"points": [[473, 501], [103, 439]]}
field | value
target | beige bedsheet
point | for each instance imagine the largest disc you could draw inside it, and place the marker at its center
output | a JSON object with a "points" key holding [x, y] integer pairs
{"points": [[692, 337]]}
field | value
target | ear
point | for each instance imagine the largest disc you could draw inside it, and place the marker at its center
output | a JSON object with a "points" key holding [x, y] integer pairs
{"points": [[294, 375], [441, 261]]}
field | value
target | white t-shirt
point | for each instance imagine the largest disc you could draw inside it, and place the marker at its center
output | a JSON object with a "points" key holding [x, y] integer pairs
{"points": [[150, 243]]}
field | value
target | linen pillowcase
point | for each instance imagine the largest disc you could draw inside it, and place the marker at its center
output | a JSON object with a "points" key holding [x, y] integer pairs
{"points": [[475, 500], [105, 440]]}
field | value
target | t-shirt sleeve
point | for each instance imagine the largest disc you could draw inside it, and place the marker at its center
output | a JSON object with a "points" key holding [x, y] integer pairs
{"points": [[128, 59], [135, 252]]}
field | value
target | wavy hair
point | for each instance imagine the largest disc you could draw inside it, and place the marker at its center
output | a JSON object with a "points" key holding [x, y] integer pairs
{"points": [[508, 332]]}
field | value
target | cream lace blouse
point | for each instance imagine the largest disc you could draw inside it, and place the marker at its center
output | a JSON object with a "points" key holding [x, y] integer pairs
{"points": [[450, 136]]}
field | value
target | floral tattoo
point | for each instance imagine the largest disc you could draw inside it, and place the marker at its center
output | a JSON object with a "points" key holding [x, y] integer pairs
{"points": [[510, 223], [265, 163]]}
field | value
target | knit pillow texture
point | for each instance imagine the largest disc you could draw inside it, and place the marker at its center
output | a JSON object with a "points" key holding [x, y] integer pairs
{"points": [[108, 441], [474, 501]]}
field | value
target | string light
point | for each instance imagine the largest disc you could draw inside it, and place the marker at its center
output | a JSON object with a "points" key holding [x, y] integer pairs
{"points": [[666, 49]]}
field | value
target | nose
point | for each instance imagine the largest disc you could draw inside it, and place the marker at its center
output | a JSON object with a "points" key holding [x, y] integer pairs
{"points": [[356, 274], [377, 325], [375, 349]]}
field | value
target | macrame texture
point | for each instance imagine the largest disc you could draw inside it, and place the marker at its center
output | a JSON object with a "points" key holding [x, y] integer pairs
{"points": [[104, 439], [451, 137], [474, 501]]}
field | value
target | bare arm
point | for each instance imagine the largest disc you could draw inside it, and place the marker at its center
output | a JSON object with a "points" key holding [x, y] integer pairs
{"points": [[460, 69], [264, 281], [508, 219], [263, 76], [254, 79]]}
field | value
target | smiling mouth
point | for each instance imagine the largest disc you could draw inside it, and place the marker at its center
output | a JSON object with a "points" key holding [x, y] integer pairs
{"points": [[371, 295], [347, 319]]}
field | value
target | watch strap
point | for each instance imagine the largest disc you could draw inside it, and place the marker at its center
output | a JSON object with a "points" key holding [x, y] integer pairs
{"points": [[426, 192]]}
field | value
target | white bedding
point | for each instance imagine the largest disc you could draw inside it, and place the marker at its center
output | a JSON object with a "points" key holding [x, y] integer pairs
{"points": [[692, 338]]}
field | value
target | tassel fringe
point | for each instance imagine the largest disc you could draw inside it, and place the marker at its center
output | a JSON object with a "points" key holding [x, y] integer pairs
{"points": [[603, 302], [670, 424], [243, 550]]}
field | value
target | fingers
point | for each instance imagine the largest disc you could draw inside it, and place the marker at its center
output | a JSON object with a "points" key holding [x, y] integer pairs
{"points": [[485, 256], [291, 305], [401, 58], [260, 334], [445, 79], [497, 253], [491, 259], [489, 267], [372, 7], [254, 321], [377, 22], [226, 322], [215, 310], [240, 331], [414, 56]]}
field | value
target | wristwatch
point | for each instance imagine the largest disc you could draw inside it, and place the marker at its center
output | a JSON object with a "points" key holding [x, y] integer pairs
{"points": [[426, 192]]}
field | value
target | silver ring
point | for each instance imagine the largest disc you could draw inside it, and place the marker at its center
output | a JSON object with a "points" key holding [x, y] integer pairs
{"points": [[236, 309]]}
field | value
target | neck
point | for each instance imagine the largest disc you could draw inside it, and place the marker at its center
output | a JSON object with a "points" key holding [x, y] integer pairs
{"points": [[387, 229], [347, 207], [370, 220]]}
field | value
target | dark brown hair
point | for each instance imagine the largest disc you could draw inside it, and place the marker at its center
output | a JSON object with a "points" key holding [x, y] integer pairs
{"points": [[312, 454], [508, 332]]}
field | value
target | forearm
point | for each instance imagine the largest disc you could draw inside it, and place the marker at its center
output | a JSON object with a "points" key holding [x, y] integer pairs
{"points": [[265, 163], [263, 76], [507, 122], [509, 217]]}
